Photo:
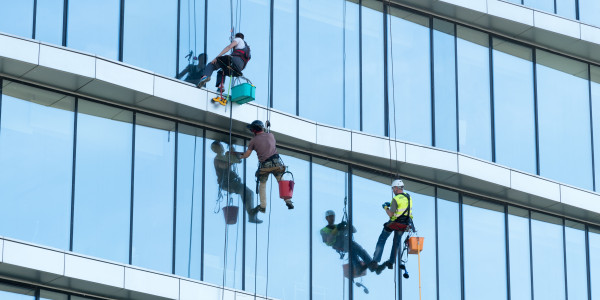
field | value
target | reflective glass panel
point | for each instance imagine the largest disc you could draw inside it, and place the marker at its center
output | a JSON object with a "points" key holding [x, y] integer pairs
{"points": [[543, 5], [484, 249], [284, 54], [102, 214], [409, 77], [36, 165], [49, 21], [150, 35], [369, 192], [351, 66], [576, 260], [191, 40], [13, 292], [474, 121], [330, 193], [373, 120], [48, 295], [595, 89], [444, 72], [424, 220], [225, 191], [449, 245], [188, 245], [594, 244], [284, 264], [566, 8], [513, 101], [93, 27], [589, 10], [548, 257], [520, 262], [153, 193], [564, 138], [16, 17], [322, 67]]}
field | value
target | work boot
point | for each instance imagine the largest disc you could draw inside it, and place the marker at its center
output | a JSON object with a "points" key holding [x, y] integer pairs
{"points": [[380, 268], [289, 204], [373, 266], [253, 219], [203, 81], [389, 264], [258, 208]]}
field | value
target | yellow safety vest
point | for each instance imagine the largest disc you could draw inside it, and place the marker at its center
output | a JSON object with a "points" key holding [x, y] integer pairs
{"points": [[404, 202]]}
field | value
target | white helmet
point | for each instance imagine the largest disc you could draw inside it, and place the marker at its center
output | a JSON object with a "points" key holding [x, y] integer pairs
{"points": [[398, 183], [329, 213]]}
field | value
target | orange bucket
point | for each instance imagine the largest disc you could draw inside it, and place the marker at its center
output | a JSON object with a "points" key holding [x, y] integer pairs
{"points": [[231, 214], [286, 187], [415, 245], [347, 271]]}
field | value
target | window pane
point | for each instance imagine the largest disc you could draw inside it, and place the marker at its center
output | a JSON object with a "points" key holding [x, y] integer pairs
{"points": [[13, 292], [543, 5], [564, 138], [589, 11], [484, 249], [409, 77], [352, 67], [189, 202], [548, 257], [372, 67], [36, 160], [102, 215], [153, 193], [150, 35], [513, 100], [594, 244], [322, 67], [448, 245], [576, 260], [94, 27], [424, 218], [474, 93], [16, 17], [444, 73], [595, 89], [520, 263], [284, 55], [330, 193], [191, 40], [49, 21], [217, 236], [566, 8], [48, 295], [282, 257]]}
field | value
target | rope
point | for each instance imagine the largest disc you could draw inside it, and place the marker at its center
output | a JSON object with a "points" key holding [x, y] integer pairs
{"points": [[192, 209], [389, 16]]}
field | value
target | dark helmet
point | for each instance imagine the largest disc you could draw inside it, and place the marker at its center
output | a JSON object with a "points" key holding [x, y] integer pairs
{"points": [[256, 125]]}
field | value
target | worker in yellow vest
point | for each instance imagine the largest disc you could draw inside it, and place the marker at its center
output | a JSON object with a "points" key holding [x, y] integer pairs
{"points": [[400, 213]]}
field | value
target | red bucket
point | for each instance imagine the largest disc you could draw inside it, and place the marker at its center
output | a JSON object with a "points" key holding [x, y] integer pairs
{"points": [[231, 214], [355, 271], [286, 187]]}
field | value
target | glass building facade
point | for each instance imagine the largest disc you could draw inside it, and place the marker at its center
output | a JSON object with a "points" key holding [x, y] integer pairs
{"points": [[133, 187]]}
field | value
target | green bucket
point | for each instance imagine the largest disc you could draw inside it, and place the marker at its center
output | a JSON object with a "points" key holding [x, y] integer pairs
{"points": [[243, 93]]}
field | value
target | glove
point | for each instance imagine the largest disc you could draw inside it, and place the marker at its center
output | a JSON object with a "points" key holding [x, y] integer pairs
{"points": [[342, 225], [386, 205]]}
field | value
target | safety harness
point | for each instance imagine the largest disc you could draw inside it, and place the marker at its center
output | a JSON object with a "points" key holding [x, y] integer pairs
{"points": [[403, 222], [244, 54]]}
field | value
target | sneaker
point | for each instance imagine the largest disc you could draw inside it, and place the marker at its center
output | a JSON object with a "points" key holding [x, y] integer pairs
{"points": [[373, 266], [203, 81], [289, 205]]}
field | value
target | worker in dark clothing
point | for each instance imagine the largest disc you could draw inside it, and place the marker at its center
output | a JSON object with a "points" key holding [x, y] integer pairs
{"points": [[269, 161], [400, 213], [338, 237], [228, 65], [224, 168]]}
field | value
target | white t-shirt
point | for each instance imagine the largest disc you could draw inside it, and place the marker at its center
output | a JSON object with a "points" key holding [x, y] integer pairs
{"points": [[240, 43]]}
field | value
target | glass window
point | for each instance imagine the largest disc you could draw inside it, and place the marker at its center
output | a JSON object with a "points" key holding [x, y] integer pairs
{"points": [[519, 254], [543, 5], [49, 21], [566, 8], [474, 119], [372, 68], [369, 191], [576, 260], [153, 193], [48, 295], [322, 67], [189, 202], [444, 72], [589, 11], [595, 89], [150, 35], [564, 138], [284, 54], [513, 100], [449, 245], [93, 27], [594, 250], [484, 249], [36, 161], [16, 17], [330, 193], [102, 214], [224, 190], [191, 40], [409, 77], [13, 292], [352, 66], [548, 257], [275, 262], [424, 219]]}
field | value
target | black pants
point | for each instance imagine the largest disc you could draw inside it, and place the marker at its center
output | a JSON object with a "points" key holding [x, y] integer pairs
{"points": [[227, 66]]}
